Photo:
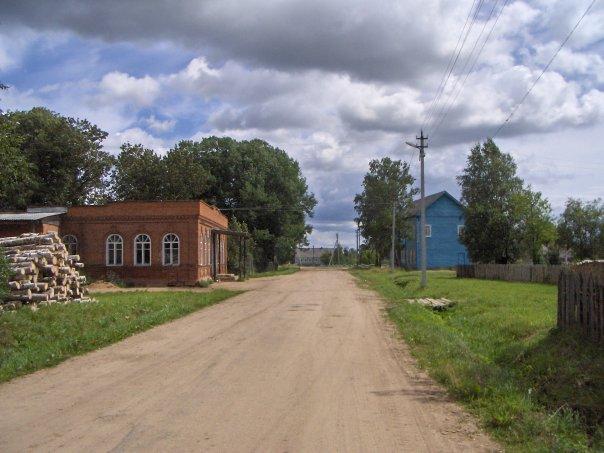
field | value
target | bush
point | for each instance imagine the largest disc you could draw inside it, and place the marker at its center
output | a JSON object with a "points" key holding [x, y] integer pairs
{"points": [[204, 283]]}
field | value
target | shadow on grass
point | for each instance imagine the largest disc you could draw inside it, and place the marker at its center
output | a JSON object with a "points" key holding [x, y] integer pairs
{"points": [[566, 372]]}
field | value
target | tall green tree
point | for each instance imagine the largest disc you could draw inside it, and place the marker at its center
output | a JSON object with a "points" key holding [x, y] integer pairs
{"points": [[489, 189], [264, 188], [535, 224], [185, 177], [137, 174], [581, 228], [68, 163], [388, 182], [17, 177]]}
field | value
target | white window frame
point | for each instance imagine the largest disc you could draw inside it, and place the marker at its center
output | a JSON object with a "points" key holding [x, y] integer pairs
{"points": [[163, 249], [428, 231], [136, 242], [460, 228], [121, 242], [73, 241]]}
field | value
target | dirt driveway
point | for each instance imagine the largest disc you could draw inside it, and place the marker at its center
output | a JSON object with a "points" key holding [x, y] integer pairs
{"points": [[304, 362]]}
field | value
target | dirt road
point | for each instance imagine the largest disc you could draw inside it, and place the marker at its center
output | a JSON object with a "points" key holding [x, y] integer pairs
{"points": [[304, 362]]}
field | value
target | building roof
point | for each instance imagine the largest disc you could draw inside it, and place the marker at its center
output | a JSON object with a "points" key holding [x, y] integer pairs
{"points": [[430, 200], [32, 214]]}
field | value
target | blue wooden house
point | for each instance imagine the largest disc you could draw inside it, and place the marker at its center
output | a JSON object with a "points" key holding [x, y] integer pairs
{"points": [[444, 223]]}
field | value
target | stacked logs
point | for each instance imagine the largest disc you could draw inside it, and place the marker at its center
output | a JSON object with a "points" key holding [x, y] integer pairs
{"points": [[41, 271]]}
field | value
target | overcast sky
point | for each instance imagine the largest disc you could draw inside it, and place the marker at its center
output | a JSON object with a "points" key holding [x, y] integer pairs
{"points": [[335, 83]]}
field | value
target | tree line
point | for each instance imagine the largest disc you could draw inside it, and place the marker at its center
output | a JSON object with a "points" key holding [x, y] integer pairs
{"points": [[506, 221], [50, 159]]}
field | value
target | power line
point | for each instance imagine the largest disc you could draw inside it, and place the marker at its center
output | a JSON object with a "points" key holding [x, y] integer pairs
{"points": [[476, 11], [474, 61], [443, 82], [509, 117]]}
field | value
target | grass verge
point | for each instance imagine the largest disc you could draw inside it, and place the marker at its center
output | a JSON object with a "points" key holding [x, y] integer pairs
{"points": [[33, 340], [282, 270], [496, 350]]}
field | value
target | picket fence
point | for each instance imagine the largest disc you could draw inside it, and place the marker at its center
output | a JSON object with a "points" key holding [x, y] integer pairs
{"points": [[535, 273], [581, 301]]}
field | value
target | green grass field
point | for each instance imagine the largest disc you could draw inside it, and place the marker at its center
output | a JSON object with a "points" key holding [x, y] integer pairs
{"points": [[497, 351], [33, 340], [286, 269]]}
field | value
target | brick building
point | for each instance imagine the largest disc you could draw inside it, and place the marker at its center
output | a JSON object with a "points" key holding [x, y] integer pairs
{"points": [[158, 242]]}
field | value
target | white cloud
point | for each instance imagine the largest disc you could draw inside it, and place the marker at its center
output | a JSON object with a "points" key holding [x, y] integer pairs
{"points": [[123, 87], [136, 135], [160, 126]]}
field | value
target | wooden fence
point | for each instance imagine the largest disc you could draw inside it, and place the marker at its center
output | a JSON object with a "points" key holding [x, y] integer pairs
{"points": [[581, 301], [534, 273]]}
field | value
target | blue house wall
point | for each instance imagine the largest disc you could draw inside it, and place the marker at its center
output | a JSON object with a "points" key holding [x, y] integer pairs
{"points": [[443, 247]]}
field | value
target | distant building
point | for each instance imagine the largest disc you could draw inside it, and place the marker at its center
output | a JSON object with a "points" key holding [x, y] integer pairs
{"points": [[444, 224], [311, 256]]}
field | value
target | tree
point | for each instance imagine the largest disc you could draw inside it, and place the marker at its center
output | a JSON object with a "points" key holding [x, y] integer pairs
{"points": [[581, 228], [325, 258], [17, 178], [68, 163], [266, 190], [534, 222], [489, 190], [388, 182], [137, 174], [185, 178]]}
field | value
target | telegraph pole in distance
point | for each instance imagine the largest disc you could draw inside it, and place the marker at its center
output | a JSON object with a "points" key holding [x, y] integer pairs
{"points": [[422, 145], [393, 235]]}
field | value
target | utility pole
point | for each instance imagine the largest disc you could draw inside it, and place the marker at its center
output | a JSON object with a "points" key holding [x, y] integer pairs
{"points": [[358, 245], [422, 145], [338, 247], [393, 235]]}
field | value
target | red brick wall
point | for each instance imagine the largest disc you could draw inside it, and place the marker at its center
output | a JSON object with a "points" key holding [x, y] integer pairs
{"points": [[16, 228], [91, 225]]}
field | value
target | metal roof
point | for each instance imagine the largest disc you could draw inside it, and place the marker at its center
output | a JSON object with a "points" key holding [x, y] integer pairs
{"points": [[31, 214], [430, 199]]}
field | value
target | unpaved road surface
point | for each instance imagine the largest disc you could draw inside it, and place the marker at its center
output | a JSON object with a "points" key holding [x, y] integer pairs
{"points": [[304, 362]]}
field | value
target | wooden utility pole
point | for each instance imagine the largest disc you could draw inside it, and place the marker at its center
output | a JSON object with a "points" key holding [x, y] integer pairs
{"points": [[392, 243], [423, 256]]}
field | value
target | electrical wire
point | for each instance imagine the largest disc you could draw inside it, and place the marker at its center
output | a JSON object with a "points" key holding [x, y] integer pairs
{"points": [[445, 77], [474, 61], [526, 95], [476, 11]]}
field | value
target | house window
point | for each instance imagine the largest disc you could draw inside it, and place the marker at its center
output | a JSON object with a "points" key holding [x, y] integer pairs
{"points": [[460, 229], [428, 231], [171, 255], [142, 250], [71, 243], [115, 250]]}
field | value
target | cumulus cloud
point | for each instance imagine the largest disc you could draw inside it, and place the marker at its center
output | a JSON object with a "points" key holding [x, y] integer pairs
{"points": [[136, 135], [159, 125], [123, 87]]}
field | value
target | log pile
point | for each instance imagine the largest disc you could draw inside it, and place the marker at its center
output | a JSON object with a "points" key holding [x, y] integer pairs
{"points": [[41, 272]]}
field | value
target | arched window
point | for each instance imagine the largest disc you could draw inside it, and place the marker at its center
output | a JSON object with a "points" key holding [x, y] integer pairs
{"points": [[115, 250], [71, 243], [142, 250], [171, 255]]}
